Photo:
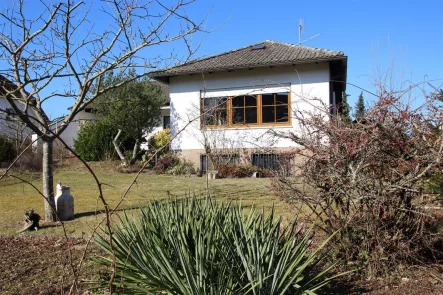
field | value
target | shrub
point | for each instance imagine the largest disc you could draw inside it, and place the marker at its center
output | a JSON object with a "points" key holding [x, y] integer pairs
{"points": [[165, 163], [182, 167], [94, 141], [29, 161], [201, 247], [239, 171], [364, 179], [7, 150], [155, 143], [59, 151]]}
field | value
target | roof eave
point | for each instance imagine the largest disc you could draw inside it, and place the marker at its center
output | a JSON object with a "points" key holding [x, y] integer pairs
{"points": [[164, 77]]}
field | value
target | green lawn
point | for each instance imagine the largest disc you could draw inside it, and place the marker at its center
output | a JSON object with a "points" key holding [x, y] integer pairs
{"points": [[16, 197]]}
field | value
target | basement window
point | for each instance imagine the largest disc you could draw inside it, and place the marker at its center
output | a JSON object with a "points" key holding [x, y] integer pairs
{"points": [[270, 161], [222, 159]]}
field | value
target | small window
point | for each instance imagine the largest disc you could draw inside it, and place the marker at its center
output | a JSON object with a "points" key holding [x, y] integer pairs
{"points": [[166, 122], [259, 46], [244, 110], [275, 108]]}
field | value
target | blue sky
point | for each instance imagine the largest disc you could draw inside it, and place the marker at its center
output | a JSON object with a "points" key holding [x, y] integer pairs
{"points": [[405, 36], [373, 34]]}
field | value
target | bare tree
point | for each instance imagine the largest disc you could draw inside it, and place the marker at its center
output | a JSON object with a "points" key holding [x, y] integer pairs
{"points": [[58, 50]]}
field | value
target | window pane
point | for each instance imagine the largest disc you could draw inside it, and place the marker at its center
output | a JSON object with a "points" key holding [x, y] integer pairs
{"points": [[282, 114], [238, 101], [250, 101], [238, 116], [213, 102], [251, 115], [215, 111], [207, 120], [282, 98], [220, 117], [268, 114], [267, 99]]}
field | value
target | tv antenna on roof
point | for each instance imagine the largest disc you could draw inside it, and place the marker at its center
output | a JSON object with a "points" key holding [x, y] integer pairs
{"points": [[300, 30], [301, 27]]}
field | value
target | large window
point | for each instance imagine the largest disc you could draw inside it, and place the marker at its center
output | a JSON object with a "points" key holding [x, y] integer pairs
{"points": [[249, 110]]}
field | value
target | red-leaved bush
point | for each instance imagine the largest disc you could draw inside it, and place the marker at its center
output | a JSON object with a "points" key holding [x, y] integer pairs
{"points": [[364, 179]]}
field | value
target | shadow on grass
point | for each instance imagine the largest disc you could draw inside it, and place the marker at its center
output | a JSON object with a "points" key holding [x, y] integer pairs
{"points": [[100, 212]]}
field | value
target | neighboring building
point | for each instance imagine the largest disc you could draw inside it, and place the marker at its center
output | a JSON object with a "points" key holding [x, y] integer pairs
{"points": [[241, 94], [10, 126], [69, 135]]}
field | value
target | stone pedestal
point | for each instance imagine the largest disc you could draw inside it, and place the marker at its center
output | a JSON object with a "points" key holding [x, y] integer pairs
{"points": [[64, 202], [212, 174]]}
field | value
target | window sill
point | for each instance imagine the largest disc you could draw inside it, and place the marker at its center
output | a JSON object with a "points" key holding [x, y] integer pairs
{"points": [[224, 128]]}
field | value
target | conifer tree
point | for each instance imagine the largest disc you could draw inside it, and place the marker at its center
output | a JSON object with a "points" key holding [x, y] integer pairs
{"points": [[345, 111], [360, 109]]}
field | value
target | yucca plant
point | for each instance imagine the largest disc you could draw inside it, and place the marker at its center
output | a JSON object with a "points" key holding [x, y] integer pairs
{"points": [[201, 247]]}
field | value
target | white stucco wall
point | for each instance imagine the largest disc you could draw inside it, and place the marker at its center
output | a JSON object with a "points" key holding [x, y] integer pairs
{"points": [[9, 128], [71, 132], [305, 82]]}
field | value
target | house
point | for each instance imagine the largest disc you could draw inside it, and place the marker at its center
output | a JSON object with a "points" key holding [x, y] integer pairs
{"points": [[232, 100], [70, 134], [10, 126]]}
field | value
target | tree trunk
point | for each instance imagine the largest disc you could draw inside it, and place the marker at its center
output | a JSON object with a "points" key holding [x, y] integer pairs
{"points": [[135, 152], [118, 150], [48, 181]]}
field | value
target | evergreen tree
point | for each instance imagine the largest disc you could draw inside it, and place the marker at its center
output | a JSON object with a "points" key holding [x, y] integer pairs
{"points": [[345, 111], [132, 110], [360, 109]]}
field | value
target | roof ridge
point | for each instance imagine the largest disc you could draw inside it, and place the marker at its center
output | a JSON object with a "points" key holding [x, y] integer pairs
{"points": [[303, 46]]}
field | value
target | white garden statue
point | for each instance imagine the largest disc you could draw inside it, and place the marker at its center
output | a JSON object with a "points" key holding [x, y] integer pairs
{"points": [[64, 202]]}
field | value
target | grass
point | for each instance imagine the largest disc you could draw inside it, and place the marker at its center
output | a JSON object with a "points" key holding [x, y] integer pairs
{"points": [[16, 197]]}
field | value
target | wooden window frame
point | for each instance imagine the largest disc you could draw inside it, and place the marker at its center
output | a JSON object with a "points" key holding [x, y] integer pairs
{"points": [[259, 113]]}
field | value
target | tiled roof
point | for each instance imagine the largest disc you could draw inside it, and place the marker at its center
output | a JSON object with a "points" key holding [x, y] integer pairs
{"points": [[265, 53], [6, 85]]}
